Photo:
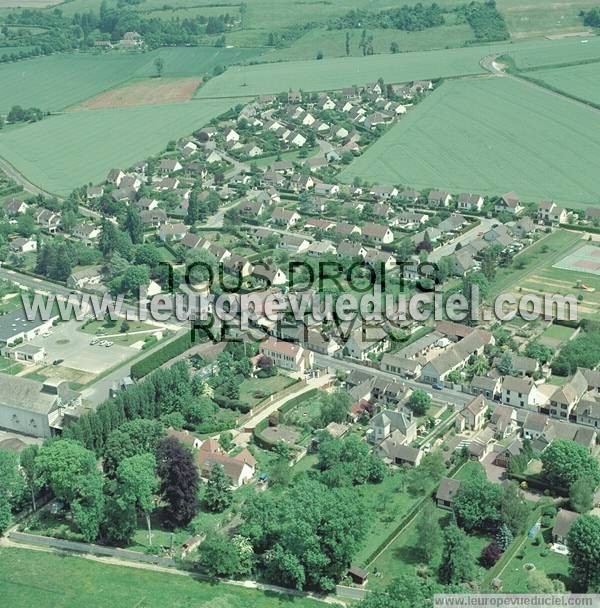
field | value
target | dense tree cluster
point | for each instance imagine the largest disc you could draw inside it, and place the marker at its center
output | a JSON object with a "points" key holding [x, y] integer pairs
{"points": [[486, 21], [583, 351], [406, 18], [564, 462]]}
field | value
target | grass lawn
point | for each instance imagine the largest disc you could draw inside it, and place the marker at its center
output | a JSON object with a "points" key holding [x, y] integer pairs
{"points": [[253, 390], [558, 332], [56, 163], [9, 366], [100, 329], [461, 135], [10, 303], [45, 580], [541, 254], [403, 555], [387, 502], [553, 564]]}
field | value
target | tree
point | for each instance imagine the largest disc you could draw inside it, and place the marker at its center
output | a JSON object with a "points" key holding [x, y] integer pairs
{"points": [[70, 471], [564, 461], [134, 225], [513, 508], [581, 495], [539, 351], [137, 484], [394, 48], [334, 407], [226, 441], [476, 504], [490, 555], [457, 565], [12, 486], [27, 461], [583, 542], [539, 582], [505, 365], [217, 495], [504, 537], [419, 402], [429, 533], [179, 481], [347, 44], [159, 66], [222, 556]]}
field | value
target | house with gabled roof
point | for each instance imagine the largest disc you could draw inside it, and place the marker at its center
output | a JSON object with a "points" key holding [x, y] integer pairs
{"points": [[472, 416], [439, 198], [509, 203], [467, 201], [287, 355], [284, 217], [378, 233], [521, 392], [446, 492], [564, 399]]}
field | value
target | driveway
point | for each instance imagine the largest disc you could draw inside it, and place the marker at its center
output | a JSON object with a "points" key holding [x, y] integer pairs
{"points": [[498, 475], [69, 343]]}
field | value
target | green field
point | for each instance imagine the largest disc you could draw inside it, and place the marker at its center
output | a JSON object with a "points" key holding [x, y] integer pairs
{"points": [[66, 151], [58, 81], [491, 135], [555, 52], [581, 81], [45, 580], [332, 43], [537, 17]]}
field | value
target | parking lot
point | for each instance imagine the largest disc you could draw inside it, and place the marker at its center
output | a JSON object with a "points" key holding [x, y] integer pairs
{"points": [[68, 343]]}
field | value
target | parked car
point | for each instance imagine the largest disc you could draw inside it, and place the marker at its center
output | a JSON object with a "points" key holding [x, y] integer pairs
{"points": [[438, 386], [57, 361]]}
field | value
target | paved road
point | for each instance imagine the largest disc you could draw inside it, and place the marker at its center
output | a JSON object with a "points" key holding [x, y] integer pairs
{"points": [[445, 396], [463, 239]]}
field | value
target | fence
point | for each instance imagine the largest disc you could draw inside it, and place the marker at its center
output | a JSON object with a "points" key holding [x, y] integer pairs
{"points": [[351, 593], [76, 547]]}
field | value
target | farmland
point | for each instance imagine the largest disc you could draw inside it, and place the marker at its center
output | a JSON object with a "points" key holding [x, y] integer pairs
{"points": [[490, 135], [58, 81], [73, 149], [332, 43], [537, 17], [581, 81], [70, 582]]}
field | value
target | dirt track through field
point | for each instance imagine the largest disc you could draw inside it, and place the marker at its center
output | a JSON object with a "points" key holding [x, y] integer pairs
{"points": [[149, 92]]}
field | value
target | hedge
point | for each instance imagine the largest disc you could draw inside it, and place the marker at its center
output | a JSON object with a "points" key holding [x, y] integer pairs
{"points": [[538, 484], [160, 356]]}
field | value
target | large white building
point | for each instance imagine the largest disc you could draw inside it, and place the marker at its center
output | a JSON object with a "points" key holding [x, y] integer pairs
{"points": [[34, 408]]}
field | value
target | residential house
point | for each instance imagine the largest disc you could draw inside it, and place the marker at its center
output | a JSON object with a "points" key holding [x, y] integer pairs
{"points": [[283, 217], [566, 397], [86, 232], [171, 232], [386, 422], [240, 468], [550, 213], [521, 392], [504, 421], [378, 233], [467, 201], [439, 198], [154, 218], [446, 492], [169, 165], [455, 356], [402, 366], [364, 341], [509, 203], [23, 245], [85, 278], [472, 416], [287, 355], [293, 243], [562, 525], [486, 386]]}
